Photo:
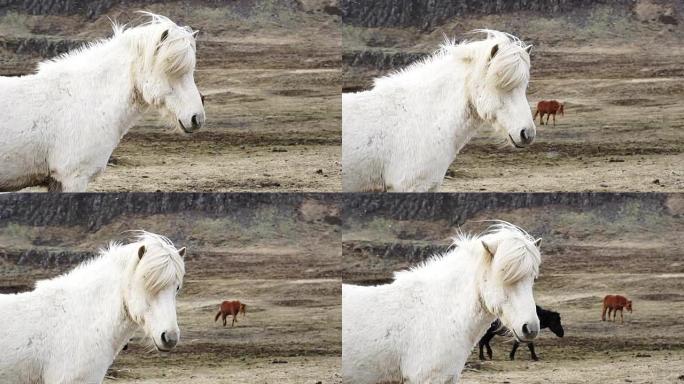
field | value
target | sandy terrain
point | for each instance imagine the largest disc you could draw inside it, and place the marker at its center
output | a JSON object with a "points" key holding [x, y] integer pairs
{"points": [[271, 77], [282, 261], [621, 79], [627, 248]]}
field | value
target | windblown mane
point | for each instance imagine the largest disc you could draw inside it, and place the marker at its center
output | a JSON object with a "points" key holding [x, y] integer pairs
{"points": [[174, 55], [160, 266], [509, 68], [513, 263]]}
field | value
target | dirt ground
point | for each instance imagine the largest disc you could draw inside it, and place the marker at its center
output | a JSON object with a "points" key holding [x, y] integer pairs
{"points": [[256, 253], [271, 76], [619, 76], [629, 248]]}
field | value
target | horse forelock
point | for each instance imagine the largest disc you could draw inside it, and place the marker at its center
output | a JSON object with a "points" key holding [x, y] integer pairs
{"points": [[510, 66], [519, 259], [174, 54], [161, 265]]}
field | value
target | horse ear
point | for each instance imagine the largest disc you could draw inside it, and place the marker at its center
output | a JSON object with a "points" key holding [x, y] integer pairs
{"points": [[164, 35], [488, 247], [181, 252], [537, 242], [495, 49], [141, 251], [528, 49]]}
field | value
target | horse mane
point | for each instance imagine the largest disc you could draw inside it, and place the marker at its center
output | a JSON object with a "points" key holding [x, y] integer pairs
{"points": [[513, 264], [508, 69], [175, 54], [160, 266]]}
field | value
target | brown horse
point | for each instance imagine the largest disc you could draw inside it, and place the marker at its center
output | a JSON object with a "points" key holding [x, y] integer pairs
{"points": [[615, 303], [230, 308], [548, 108]]}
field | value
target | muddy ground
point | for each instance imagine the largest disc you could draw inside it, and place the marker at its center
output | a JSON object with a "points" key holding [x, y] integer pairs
{"points": [[283, 262], [626, 248], [270, 72], [619, 72]]}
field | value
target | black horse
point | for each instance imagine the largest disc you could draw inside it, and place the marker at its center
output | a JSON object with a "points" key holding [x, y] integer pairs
{"points": [[547, 319]]}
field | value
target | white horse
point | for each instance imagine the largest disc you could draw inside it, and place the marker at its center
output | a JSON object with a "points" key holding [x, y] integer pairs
{"points": [[422, 327], [70, 328], [60, 125], [403, 134]]}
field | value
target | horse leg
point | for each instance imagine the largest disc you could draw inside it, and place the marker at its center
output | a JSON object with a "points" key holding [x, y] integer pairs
{"points": [[233, 324], [622, 319], [554, 120], [224, 319], [547, 118], [603, 314], [541, 118], [515, 347], [74, 184], [534, 355], [489, 350], [481, 344]]}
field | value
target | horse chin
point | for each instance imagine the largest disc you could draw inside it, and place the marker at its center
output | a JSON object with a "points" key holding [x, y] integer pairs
{"points": [[513, 143], [159, 348], [182, 129]]}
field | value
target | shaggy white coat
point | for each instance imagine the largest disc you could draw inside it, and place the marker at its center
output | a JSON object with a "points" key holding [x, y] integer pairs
{"points": [[70, 328], [60, 125], [403, 134], [422, 327]]}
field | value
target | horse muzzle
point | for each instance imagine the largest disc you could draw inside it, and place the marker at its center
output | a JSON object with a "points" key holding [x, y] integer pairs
{"points": [[196, 122], [168, 341]]}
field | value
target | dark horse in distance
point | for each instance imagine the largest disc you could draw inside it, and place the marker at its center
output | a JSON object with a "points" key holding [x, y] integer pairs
{"points": [[547, 319]]}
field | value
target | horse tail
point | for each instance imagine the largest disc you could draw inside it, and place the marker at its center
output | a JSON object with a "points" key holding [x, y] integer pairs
{"points": [[217, 316], [536, 113]]}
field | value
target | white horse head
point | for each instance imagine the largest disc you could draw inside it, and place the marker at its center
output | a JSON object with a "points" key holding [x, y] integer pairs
{"points": [[150, 295], [163, 75], [511, 264], [498, 84]]}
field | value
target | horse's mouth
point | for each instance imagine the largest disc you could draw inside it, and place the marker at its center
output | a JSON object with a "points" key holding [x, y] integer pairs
{"points": [[160, 349], [183, 127], [514, 143]]}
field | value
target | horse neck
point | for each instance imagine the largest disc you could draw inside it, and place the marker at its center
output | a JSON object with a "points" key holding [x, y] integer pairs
{"points": [[96, 290], [113, 99], [436, 90], [452, 284]]}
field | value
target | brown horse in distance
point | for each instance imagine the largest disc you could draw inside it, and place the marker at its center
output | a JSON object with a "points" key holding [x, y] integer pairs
{"points": [[230, 308], [548, 108], [615, 303]]}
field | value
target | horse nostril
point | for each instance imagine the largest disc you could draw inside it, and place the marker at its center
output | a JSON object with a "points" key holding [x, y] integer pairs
{"points": [[195, 123], [526, 137], [527, 331], [163, 338]]}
